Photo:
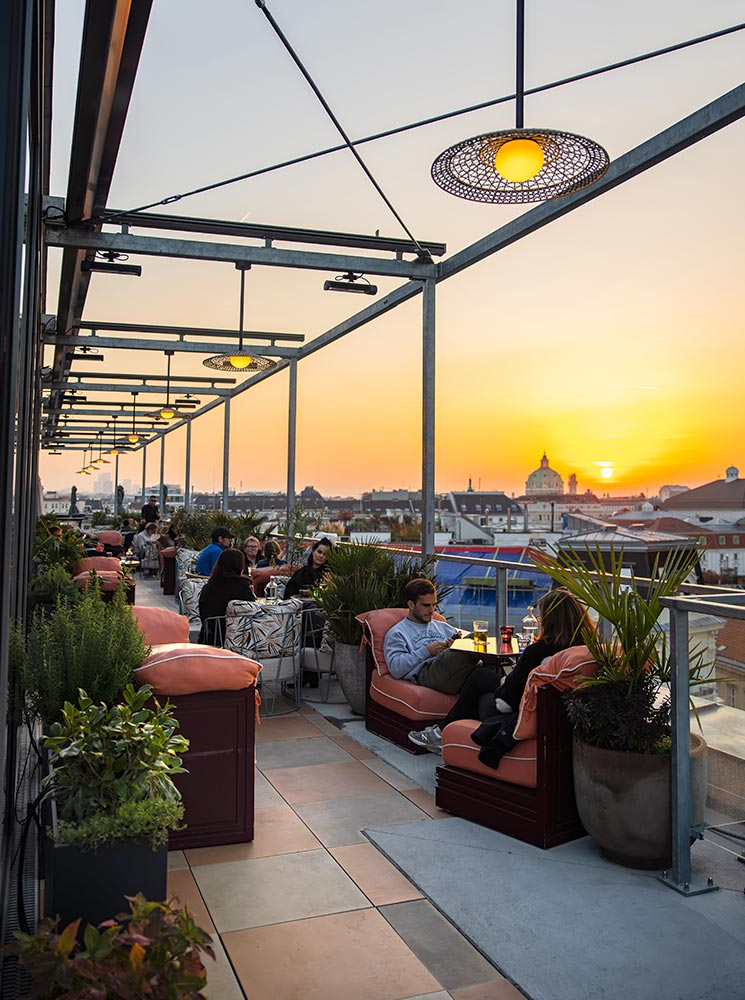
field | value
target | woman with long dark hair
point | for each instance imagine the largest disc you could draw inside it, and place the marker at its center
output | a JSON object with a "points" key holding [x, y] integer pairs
{"points": [[563, 622], [311, 574], [227, 582]]}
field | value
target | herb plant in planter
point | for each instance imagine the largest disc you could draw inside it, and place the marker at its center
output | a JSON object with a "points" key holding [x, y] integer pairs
{"points": [[621, 715], [92, 645], [110, 781], [153, 951], [361, 577]]}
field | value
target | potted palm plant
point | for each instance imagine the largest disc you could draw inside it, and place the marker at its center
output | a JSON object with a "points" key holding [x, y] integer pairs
{"points": [[621, 715], [362, 577], [114, 801]]}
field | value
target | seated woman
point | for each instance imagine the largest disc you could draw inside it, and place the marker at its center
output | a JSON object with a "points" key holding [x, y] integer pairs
{"points": [[270, 556], [227, 582], [145, 548], [311, 573], [563, 622], [251, 549]]}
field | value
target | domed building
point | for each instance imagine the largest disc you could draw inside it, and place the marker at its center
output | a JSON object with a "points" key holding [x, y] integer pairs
{"points": [[544, 481]]}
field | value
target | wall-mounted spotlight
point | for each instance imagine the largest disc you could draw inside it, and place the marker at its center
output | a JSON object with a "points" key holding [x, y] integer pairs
{"points": [[350, 282], [84, 357]]}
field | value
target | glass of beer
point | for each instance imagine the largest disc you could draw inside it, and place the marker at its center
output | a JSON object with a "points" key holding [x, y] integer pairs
{"points": [[480, 632]]}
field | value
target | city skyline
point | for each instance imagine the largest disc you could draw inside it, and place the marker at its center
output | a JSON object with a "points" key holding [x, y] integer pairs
{"points": [[611, 338]]}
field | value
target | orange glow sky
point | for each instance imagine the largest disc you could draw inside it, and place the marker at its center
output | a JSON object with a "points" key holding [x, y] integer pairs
{"points": [[615, 335]]}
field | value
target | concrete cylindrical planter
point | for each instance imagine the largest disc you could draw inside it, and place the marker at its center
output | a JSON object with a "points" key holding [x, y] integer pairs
{"points": [[349, 666], [625, 801]]}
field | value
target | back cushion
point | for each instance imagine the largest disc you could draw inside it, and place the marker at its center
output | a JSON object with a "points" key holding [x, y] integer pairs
{"points": [[184, 668], [186, 560], [110, 537], [263, 630], [378, 623], [159, 625], [562, 670]]}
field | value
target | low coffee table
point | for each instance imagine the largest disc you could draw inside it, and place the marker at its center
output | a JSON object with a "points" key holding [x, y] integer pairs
{"points": [[501, 662]]}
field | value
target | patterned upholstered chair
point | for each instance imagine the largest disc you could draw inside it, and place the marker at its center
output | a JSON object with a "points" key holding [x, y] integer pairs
{"points": [[188, 604], [186, 560], [270, 634]]}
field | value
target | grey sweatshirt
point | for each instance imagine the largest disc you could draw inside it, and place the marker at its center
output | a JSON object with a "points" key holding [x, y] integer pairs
{"points": [[405, 645]]}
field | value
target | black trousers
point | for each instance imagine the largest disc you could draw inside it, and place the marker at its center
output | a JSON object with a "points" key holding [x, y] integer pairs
{"points": [[476, 700]]}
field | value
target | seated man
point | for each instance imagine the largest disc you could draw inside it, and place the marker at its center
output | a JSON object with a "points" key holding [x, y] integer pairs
{"points": [[418, 648], [222, 538]]}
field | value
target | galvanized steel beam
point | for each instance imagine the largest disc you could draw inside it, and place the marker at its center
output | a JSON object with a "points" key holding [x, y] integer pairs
{"points": [[232, 253], [182, 346]]}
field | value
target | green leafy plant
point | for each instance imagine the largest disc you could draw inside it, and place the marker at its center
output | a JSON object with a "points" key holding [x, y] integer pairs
{"points": [[624, 706], [363, 577], [100, 518], [52, 584], [91, 645], [155, 950], [296, 532], [194, 528], [106, 761], [49, 550]]}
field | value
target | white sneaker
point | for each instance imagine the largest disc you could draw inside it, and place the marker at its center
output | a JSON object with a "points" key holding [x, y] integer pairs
{"points": [[429, 738], [502, 706]]}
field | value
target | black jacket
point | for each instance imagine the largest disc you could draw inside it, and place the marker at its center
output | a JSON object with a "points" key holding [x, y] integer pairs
{"points": [[214, 599], [306, 576]]}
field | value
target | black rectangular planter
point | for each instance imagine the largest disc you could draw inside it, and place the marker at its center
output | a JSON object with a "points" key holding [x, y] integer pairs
{"points": [[93, 885]]}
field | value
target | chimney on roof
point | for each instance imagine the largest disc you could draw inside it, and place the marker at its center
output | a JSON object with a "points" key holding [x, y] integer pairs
{"points": [[731, 474]]}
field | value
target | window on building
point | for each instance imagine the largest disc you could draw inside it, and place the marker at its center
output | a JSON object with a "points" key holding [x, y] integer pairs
{"points": [[731, 695], [735, 539], [722, 539]]}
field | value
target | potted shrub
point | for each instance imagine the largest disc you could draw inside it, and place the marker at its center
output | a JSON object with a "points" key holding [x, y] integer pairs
{"points": [[91, 645], [621, 715], [55, 549], [361, 577], [114, 802], [154, 950], [50, 585]]}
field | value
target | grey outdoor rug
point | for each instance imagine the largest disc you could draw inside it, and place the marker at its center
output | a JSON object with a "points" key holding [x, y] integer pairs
{"points": [[565, 924]]}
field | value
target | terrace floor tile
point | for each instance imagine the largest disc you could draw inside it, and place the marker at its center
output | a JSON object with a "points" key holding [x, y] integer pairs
{"points": [[299, 753], [338, 823], [243, 894], [277, 830], [338, 957], [320, 782], [380, 881], [285, 727]]}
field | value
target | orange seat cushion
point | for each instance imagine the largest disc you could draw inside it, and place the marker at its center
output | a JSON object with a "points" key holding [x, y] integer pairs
{"points": [[186, 668], [379, 622], [562, 671], [110, 537], [107, 578], [98, 564], [159, 625], [518, 767], [420, 704]]}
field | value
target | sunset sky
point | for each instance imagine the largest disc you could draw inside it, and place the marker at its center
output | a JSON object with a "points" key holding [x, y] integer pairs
{"points": [[612, 338]]}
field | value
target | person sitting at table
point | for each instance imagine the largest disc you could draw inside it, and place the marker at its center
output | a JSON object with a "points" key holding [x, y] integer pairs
{"points": [[251, 549], [311, 573], [227, 582], [271, 555], [145, 548], [485, 695], [222, 538], [418, 649]]}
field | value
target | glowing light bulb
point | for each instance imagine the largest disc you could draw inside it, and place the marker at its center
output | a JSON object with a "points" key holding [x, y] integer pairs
{"points": [[133, 438], [113, 451], [167, 413], [518, 160], [240, 360]]}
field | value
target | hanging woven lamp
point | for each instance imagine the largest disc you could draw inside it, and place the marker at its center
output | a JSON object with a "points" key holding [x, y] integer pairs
{"points": [[519, 165], [240, 360], [168, 411]]}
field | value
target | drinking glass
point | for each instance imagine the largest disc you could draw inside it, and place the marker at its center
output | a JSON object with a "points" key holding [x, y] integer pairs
{"points": [[480, 632]]}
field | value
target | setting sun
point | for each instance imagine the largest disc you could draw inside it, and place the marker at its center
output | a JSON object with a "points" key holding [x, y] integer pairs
{"points": [[607, 470]]}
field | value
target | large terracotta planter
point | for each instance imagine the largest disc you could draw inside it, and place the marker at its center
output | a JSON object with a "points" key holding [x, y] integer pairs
{"points": [[349, 666], [625, 801]]}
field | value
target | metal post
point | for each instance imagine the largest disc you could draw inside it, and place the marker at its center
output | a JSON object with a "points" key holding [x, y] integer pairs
{"points": [[116, 485], [226, 456], [681, 879], [428, 418], [144, 473], [291, 441], [519, 63], [163, 491], [187, 470], [500, 586]]}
